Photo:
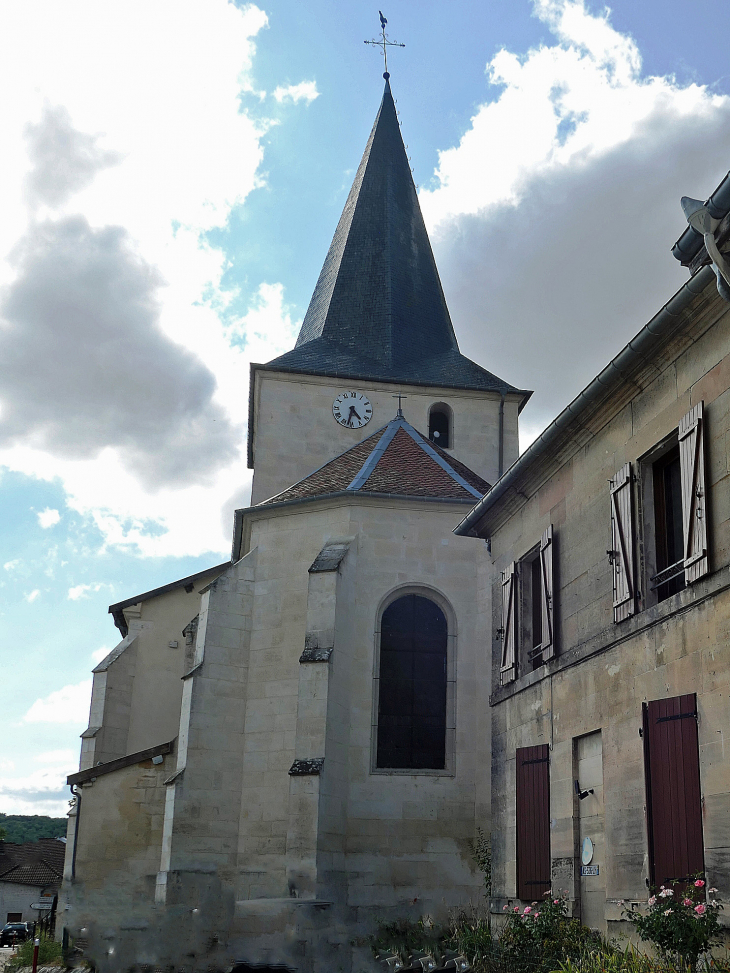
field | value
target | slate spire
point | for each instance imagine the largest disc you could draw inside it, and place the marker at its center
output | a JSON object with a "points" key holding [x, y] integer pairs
{"points": [[379, 293], [378, 310]]}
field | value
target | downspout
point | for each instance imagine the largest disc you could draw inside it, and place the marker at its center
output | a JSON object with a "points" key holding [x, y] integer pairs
{"points": [[501, 436], [77, 795]]}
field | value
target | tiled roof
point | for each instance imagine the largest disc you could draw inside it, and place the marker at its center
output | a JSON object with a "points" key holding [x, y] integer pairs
{"points": [[34, 873], [396, 460], [32, 862], [378, 311]]}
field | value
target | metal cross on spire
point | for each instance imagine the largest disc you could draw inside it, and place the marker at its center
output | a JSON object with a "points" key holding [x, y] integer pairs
{"points": [[385, 43], [399, 396]]}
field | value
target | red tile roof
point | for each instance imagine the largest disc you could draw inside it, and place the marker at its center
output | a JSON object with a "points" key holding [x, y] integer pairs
{"points": [[396, 460]]}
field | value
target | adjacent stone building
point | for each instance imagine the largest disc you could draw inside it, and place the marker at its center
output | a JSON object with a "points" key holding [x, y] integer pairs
{"points": [[610, 593], [285, 746]]}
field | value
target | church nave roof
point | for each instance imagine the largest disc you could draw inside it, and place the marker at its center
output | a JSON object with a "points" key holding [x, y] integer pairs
{"points": [[397, 460]]}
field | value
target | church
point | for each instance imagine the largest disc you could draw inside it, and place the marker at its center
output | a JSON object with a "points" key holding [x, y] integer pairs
{"points": [[295, 743]]}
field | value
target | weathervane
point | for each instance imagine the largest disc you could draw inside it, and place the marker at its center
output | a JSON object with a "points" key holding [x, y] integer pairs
{"points": [[384, 43]]}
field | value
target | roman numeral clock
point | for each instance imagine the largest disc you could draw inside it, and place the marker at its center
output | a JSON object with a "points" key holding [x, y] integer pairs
{"points": [[352, 409]]}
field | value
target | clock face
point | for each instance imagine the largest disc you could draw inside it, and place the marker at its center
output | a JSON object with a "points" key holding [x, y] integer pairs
{"points": [[352, 409]]}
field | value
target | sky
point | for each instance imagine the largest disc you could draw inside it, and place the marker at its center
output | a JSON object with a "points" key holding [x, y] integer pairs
{"points": [[172, 176]]}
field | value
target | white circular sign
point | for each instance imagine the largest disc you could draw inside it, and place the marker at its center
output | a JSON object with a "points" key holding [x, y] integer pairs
{"points": [[586, 855], [352, 409]]}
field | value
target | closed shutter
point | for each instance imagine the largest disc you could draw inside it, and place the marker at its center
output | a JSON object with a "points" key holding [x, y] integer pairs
{"points": [[694, 500], [622, 544], [533, 822], [546, 594], [674, 803], [508, 668]]}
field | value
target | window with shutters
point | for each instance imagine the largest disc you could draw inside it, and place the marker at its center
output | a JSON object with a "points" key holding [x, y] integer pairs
{"points": [[673, 794], [527, 630], [674, 510], [532, 806], [412, 686]]}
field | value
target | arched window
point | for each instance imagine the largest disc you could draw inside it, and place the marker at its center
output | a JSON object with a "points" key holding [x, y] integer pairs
{"points": [[412, 686], [439, 425]]}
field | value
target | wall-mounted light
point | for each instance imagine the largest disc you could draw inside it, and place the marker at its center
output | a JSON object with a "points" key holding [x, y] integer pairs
{"points": [[582, 795]]}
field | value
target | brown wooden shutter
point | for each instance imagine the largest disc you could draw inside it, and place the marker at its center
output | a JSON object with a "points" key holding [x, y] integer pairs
{"points": [[509, 623], [546, 594], [622, 544], [533, 822], [694, 500], [674, 803]]}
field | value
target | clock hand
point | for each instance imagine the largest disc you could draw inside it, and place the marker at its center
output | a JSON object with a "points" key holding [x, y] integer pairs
{"points": [[354, 413]]}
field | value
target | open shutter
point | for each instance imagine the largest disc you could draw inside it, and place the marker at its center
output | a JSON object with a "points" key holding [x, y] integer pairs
{"points": [[532, 773], [508, 668], [694, 499], [546, 594], [622, 545]]}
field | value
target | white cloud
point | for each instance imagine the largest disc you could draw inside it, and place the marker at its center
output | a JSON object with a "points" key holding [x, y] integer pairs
{"points": [[98, 654], [82, 590], [67, 705], [48, 517], [141, 411], [553, 217], [11, 565], [31, 596], [304, 91], [65, 757], [43, 791]]}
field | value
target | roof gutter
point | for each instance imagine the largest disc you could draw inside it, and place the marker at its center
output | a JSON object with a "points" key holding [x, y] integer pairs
{"points": [[635, 352], [690, 243]]}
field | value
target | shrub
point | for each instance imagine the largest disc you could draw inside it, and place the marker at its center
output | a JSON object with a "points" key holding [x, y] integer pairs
{"points": [[543, 936], [680, 922], [49, 954]]}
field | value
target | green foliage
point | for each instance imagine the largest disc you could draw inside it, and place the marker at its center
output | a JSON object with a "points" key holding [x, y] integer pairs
{"points": [[49, 954], [470, 935], [680, 922], [609, 959], [542, 936], [483, 857], [407, 939], [30, 827]]}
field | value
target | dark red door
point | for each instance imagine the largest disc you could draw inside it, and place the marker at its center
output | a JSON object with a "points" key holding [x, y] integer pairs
{"points": [[533, 822], [674, 803]]}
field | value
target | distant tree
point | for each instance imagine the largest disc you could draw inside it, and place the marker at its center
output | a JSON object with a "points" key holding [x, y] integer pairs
{"points": [[17, 828]]}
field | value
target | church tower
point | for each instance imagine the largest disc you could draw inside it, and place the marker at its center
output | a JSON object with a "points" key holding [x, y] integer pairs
{"points": [[294, 744], [377, 324]]}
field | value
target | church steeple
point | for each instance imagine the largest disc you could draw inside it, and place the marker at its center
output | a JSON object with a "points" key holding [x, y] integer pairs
{"points": [[378, 310], [379, 294]]}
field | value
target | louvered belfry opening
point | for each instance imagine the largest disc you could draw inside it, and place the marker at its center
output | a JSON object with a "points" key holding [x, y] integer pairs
{"points": [[673, 798], [412, 686], [533, 822]]}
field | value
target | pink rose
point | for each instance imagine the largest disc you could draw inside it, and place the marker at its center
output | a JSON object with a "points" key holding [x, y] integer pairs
{"points": [[712, 890], [536, 915], [556, 901], [667, 912], [652, 900], [699, 884], [504, 907], [516, 909], [700, 909], [527, 909]]}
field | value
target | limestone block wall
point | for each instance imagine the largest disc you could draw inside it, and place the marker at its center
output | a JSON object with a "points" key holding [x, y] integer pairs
{"points": [[604, 671], [295, 432], [203, 802]]}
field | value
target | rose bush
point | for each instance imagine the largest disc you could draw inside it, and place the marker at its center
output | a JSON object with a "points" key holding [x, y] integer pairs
{"points": [[681, 923]]}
